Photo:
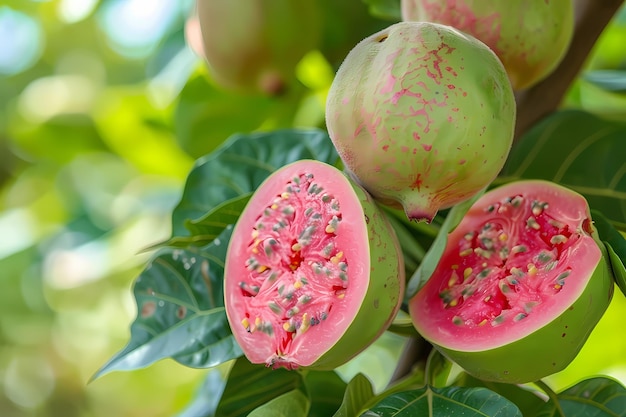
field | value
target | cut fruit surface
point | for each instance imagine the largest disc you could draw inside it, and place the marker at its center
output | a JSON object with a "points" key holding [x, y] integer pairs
{"points": [[299, 265]]}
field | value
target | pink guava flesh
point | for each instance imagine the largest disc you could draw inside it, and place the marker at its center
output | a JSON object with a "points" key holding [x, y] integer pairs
{"points": [[520, 257], [288, 273]]}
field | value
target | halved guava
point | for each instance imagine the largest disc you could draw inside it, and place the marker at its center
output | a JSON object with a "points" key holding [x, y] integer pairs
{"points": [[314, 272], [520, 286]]}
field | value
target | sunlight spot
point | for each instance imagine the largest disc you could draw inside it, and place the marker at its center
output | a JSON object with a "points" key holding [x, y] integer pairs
{"points": [[21, 41], [72, 11], [64, 94], [134, 27]]}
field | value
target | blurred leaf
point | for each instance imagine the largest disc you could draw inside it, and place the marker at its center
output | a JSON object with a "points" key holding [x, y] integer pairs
{"points": [[386, 9], [325, 390], [579, 151], [250, 386], [445, 402], [434, 253], [597, 397], [181, 315], [207, 397], [291, 404], [611, 80], [206, 115], [59, 139], [240, 165], [346, 23], [615, 245], [135, 129], [356, 396], [525, 400]]}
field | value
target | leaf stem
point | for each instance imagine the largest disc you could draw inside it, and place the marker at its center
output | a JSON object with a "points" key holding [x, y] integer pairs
{"points": [[552, 395]]}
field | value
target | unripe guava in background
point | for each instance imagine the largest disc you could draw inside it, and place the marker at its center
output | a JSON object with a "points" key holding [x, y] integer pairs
{"points": [[422, 116], [522, 282], [529, 36], [255, 45]]}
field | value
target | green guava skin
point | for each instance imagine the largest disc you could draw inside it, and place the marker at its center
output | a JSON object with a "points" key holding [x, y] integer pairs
{"points": [[555, 343], [255, 46], [529, 36], [386, 292], [375, 267], [422, 116]]}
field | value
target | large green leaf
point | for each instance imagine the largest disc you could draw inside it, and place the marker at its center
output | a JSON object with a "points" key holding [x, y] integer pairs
{"points": [[240, 166], [205, 229], [180, 311], [356, 396], [597, 397], [445, 402], [527, 401], [580, 151], [291, 404], [325, 390], [250, 386]]}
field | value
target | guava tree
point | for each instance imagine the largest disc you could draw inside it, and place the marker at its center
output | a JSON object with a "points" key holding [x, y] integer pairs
{"points": [[447, 205]]}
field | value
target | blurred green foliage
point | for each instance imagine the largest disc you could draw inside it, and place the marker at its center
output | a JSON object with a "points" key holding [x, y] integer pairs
{"points": [[103, 110]]}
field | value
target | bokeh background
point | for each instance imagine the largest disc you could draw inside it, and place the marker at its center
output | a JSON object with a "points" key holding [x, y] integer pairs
{"points": [[103, 109]]}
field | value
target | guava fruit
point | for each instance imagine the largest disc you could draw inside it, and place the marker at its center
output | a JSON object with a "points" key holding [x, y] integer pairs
{"points": [[529, 36], [422, 116], [255, 45], [521, 284], [313, 272]]}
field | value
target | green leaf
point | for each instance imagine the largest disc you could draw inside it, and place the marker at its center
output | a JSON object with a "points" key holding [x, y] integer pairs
{"points": [[208, 227], [445, 402], [181, 315], [291, 404], [611, 80], [386, 9], [438, 369], [326, 391], [241, 165], [211, 224], [207, 397], [619, 271], [597, 397], [356, 396], [579, 151], [402, 324], [527, 401], [250, 386], [615, 246], [431, 259]]}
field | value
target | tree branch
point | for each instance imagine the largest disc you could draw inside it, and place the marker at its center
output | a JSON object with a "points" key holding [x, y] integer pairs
{"points": [[591, 17]]}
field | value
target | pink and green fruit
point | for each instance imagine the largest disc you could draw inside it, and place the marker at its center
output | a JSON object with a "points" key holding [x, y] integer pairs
{"points": [[521, 284], [422, 116], [530, 36], [314, 272], [255, 45]]}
